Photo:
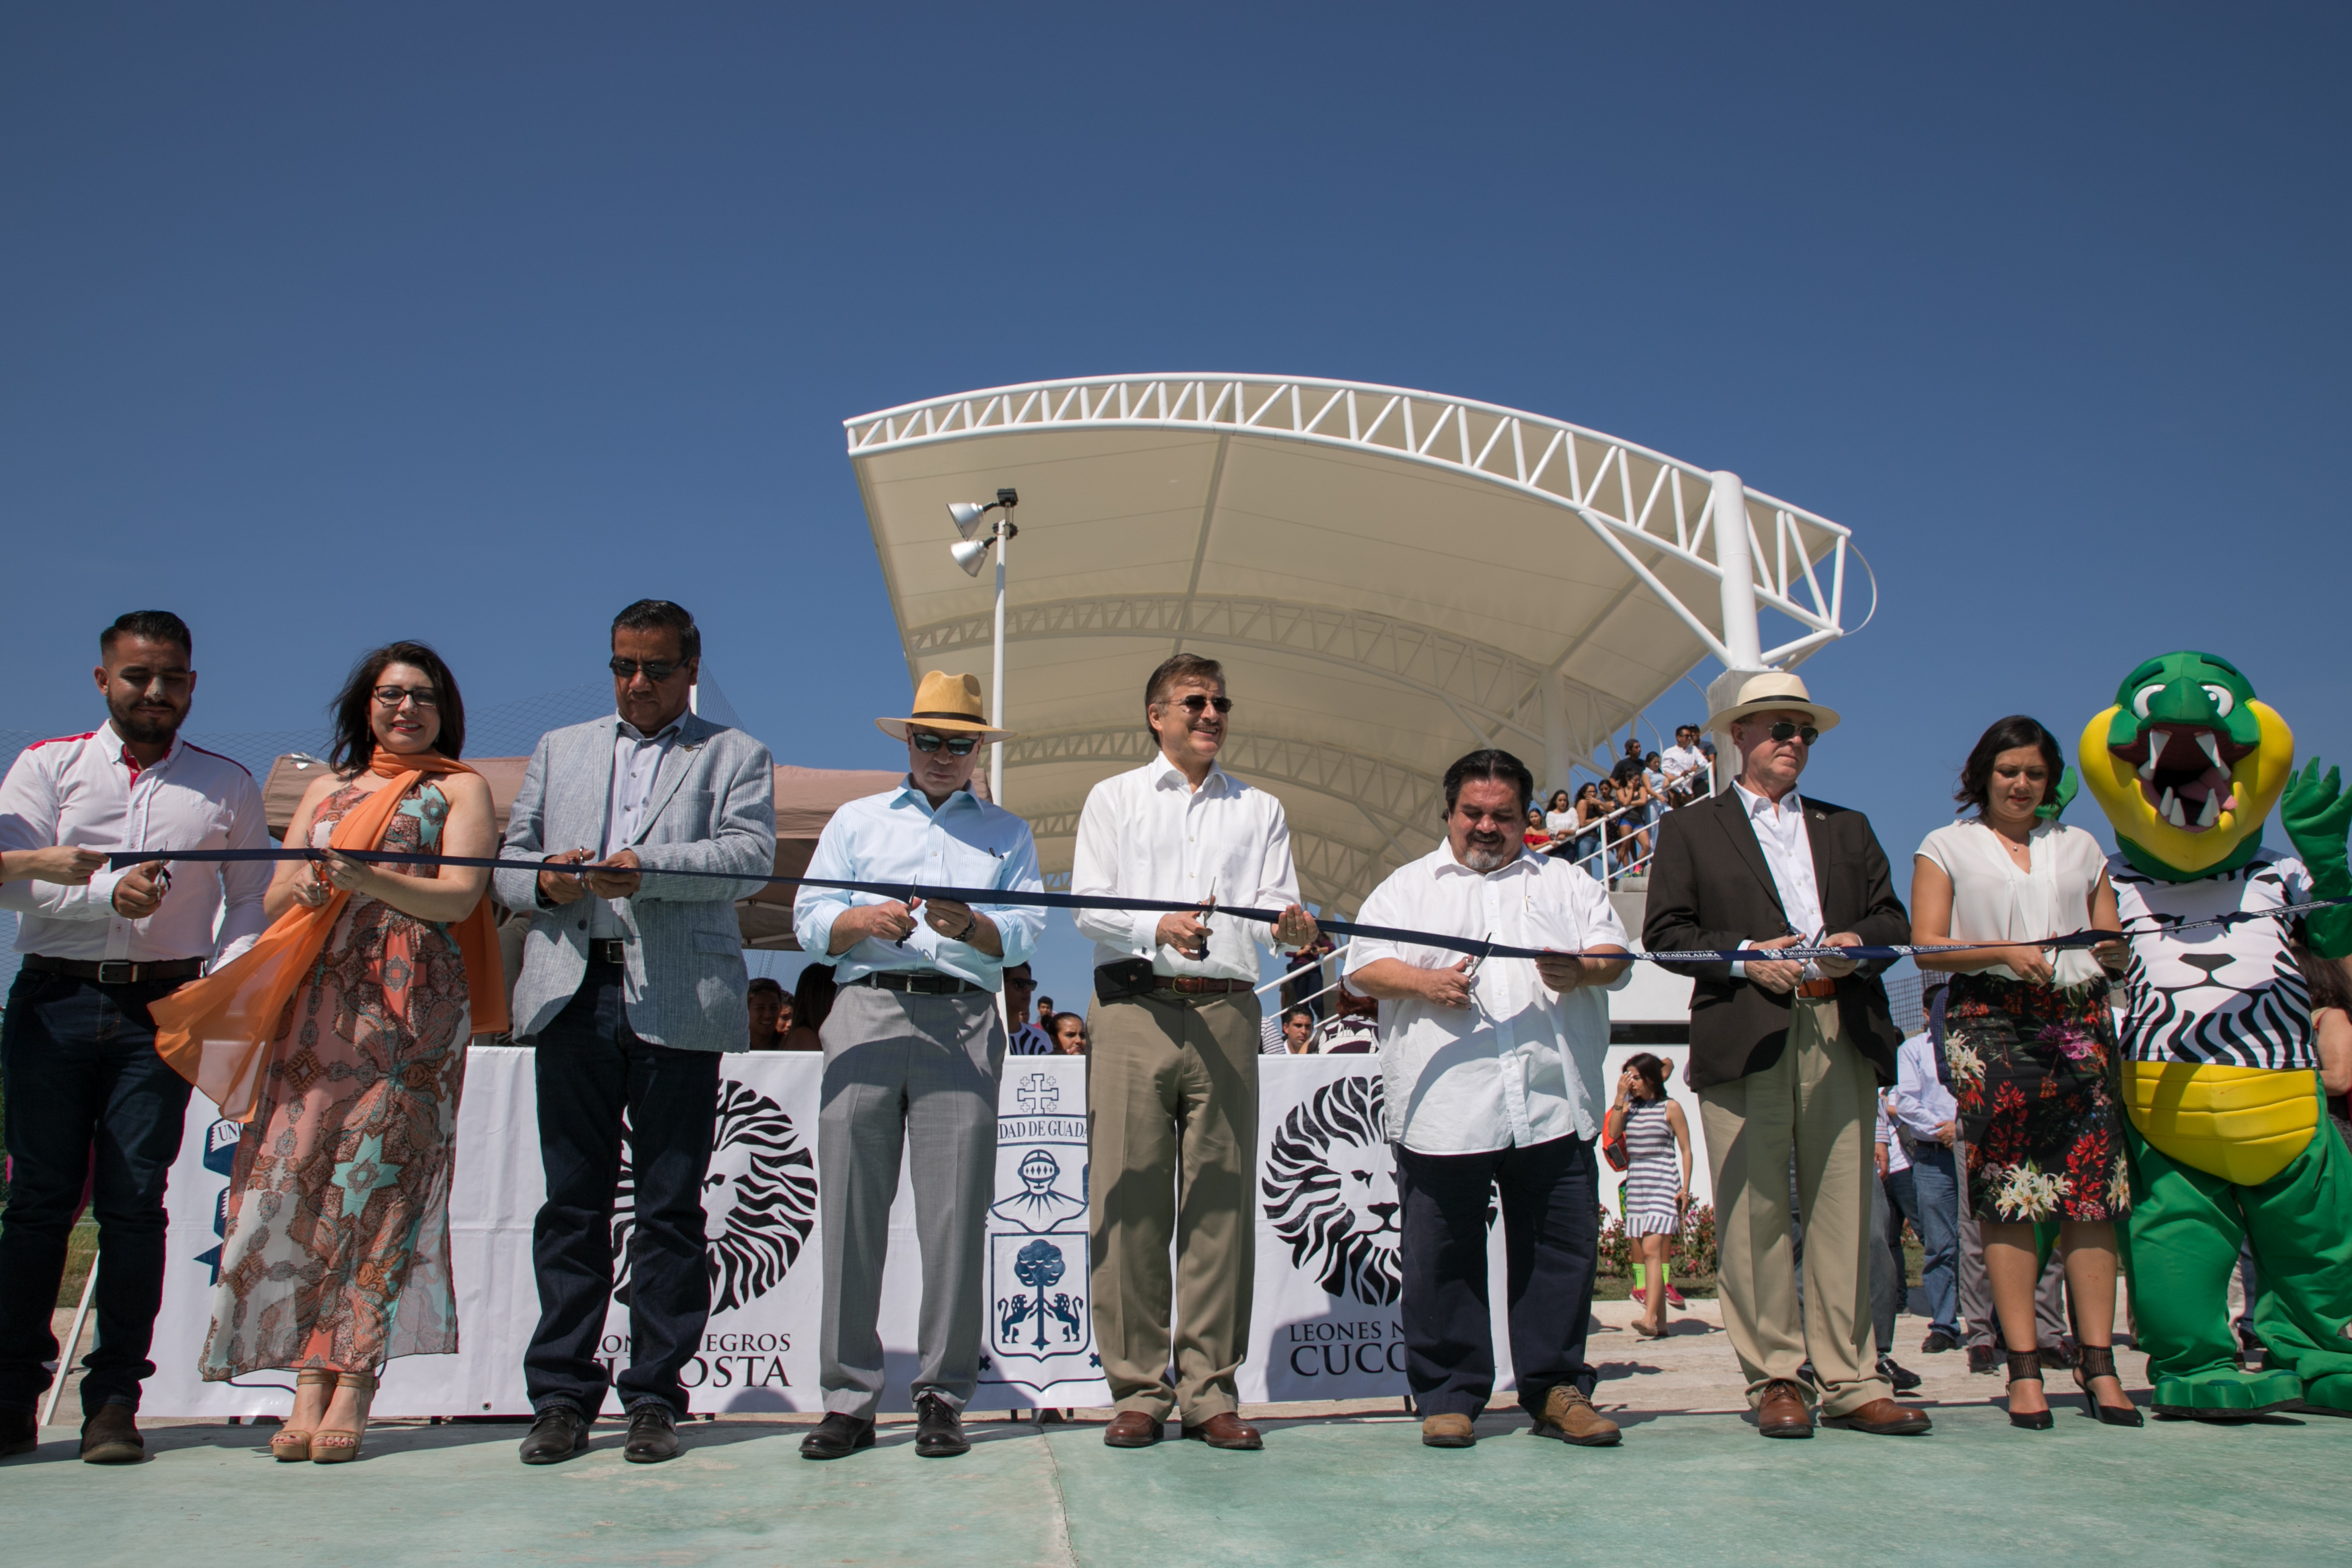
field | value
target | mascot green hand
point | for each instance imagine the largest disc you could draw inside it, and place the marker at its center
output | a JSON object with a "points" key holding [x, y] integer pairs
{"points": [[2228, 1139], [2317, 817]]}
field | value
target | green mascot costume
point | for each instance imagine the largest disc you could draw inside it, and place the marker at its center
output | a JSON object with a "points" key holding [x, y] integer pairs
{"points": [[2229, 1139]]}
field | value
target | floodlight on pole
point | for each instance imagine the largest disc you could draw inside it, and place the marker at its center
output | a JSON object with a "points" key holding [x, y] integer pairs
{"points": [[969, 554]]}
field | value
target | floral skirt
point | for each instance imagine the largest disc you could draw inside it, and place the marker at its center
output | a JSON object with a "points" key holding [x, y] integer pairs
{"points": [[2034, 1070]]}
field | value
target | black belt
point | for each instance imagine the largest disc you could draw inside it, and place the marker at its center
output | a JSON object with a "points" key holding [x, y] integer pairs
{"points": [[613, 950], [115, 971], [921, 982]]}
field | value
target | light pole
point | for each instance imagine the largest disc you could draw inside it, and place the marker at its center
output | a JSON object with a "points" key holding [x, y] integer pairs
{"points": [[968, 516]]}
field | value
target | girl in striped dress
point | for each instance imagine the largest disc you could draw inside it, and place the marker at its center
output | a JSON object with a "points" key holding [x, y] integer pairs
{"points": [[1657, 1175]]}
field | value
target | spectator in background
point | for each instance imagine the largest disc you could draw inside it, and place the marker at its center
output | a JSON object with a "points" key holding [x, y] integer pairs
{"points": [[1045, 1014], [1590, 808], [764, 999], [1069, 1034], [1656, 1140], [1536, 836], [812, 1005], [1303, 986], [1028, 1038], [90, 1104], [1560, 824], [1889, 1272], [1295, 1036], [1654, 779], [1685, 767], [1926, 1121]]}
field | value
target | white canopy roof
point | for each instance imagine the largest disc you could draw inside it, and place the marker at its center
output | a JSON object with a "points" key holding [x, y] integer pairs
{"points": [[1392, 579]]}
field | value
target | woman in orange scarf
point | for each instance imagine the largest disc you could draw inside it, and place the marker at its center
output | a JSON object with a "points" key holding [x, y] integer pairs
{"points": [[336, 1257]]}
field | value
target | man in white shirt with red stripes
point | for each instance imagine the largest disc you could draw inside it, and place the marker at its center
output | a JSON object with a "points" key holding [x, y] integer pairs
{"points": [[1173, 1066], [79, 1047]]}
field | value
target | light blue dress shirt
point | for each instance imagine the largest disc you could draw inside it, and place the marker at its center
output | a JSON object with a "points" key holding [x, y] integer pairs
{"points": [[895, 837]]}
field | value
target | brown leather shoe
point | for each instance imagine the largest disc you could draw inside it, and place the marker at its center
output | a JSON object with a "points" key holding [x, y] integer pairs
{"points": [[1226, 1431], [1448, 1432], [112, 1437], [1782, 1413], [1569, 1416], [1132, 1430], [1883, 1419]]}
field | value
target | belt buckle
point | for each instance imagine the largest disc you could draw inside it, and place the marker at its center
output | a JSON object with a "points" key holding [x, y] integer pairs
{"points": [[130, 971]]}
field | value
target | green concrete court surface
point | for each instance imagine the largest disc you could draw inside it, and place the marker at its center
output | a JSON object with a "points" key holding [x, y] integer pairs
{"points": [[1359, 1489]]}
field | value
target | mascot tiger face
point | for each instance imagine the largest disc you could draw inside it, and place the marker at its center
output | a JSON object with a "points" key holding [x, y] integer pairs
{"points": [[1330, 1192], [759, 1200]]}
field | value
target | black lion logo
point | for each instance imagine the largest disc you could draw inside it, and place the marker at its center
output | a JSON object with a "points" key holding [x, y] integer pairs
{"points": [[759, 1200], [1330, 1192]]}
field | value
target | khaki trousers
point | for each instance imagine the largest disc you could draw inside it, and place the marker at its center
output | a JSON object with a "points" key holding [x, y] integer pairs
{"points": [[1172, 1098], [1820, 1098]]}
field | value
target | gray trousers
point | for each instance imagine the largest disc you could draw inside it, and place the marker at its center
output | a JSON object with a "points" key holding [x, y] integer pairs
{"points": [[1977, 1319], [901, 1069]]}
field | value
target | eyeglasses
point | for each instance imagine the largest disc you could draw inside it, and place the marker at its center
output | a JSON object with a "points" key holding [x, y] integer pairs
{"points": [[1196, 702], [656, 670], [392, 697], [960, 746], [1784, 730]]}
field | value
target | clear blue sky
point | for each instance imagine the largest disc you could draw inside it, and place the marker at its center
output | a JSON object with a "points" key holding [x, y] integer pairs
{"points": [[327, 324]]}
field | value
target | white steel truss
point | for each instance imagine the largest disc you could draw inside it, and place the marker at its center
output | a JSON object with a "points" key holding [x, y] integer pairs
{"points": [[1645, 506], [1488, 688]]}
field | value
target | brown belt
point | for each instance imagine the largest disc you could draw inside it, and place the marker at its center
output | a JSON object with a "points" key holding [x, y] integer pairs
{"points": [[115, 971], [1816, 990], [1199, 985]]}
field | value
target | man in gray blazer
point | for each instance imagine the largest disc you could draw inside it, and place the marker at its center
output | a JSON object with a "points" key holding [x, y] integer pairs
{"points": [[632, 984]]}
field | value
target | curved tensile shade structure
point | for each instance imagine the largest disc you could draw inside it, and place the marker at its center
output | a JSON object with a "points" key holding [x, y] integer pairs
{"points": [[1392, 577]]}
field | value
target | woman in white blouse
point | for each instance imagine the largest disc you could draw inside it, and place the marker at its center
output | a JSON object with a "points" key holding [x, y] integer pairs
{"points": [[2030, 1048]]}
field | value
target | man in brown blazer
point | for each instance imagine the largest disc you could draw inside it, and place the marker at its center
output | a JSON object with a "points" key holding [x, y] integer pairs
{"points": [[1786, 1055]]}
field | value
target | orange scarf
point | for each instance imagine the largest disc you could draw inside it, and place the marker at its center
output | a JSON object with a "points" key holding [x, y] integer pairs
{"points": [[216, 1032]]}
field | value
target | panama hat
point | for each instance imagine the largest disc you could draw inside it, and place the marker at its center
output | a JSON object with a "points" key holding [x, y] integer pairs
{"points": [[948, 704], [1771, 691]]}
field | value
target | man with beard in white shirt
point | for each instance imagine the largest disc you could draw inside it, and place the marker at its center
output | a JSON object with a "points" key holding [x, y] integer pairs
{"points": [[1493, 1077], [89, 1099], [1171, 1087]]}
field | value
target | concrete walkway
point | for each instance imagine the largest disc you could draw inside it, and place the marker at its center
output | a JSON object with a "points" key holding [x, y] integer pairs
{"points": [[1691, 1483]]}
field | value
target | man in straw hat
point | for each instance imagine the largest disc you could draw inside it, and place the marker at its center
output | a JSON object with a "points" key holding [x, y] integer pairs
{"points": [[1172, 1085], [912, 1050], [1786, 1055]]}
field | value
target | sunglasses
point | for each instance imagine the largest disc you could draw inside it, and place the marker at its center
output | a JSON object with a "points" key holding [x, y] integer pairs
{"points": [[656, 670], [392, 697], [961, 746], [1194, 703], [1784, 730]]}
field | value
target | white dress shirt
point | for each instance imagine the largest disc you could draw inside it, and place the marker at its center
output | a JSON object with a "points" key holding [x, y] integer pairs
{"points": [[896, 837], [1897, 1157], [1788, 851], [84, 790], [1921, 1101], [1684, 764], [1148, 833], [1521, 1065], [636, 762]]}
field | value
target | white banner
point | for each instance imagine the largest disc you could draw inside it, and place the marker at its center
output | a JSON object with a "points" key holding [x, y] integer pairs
{"points": [[1325, 1325]]}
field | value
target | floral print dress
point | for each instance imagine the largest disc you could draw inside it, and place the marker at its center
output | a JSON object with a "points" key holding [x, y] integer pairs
{"points": [[2034, 1068], [336, 1250]]}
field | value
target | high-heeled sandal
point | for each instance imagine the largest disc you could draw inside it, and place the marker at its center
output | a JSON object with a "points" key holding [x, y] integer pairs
{"points": [[2025, 1366], [2099, 1361], [292, 1444], [336, 1445]]}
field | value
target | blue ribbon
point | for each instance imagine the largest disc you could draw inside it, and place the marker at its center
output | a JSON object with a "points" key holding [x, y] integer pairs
{"points": [[915, 893]]}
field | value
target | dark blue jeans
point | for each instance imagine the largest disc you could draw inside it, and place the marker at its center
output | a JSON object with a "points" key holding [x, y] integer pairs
{"points": [[1934, 1205], [1550, 1204], [592, 1072], [89, 1101]]}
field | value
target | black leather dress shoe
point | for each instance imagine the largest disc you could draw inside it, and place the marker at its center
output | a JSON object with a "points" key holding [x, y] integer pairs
{"points": [[559, 1433], [1901, 1376], [20, 1432], [939, 1430], [1981, 1358], [652, 1436], [1937, 1342], [837, 1437]]}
